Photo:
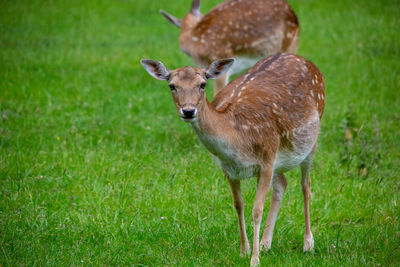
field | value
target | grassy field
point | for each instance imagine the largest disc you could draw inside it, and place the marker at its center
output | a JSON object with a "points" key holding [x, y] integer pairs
{"points": [[97, 168]]}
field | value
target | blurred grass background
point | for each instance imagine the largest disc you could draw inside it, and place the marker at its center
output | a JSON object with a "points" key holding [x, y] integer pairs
{"points": [[97, 168]]}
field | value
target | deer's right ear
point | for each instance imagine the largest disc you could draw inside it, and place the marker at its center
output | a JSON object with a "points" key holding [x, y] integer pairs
{"points": [[195, 10], [155, 69], [173, 20]]}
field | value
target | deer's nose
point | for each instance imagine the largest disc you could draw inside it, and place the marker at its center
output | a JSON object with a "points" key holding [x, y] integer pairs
{"points": [[188, 113]]}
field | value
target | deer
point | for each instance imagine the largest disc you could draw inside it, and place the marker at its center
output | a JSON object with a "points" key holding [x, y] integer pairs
{"points": [[246, 30], [262, 124]]}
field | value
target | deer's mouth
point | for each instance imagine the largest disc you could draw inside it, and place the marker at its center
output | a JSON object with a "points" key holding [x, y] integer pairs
{"points": [[189, 119]]}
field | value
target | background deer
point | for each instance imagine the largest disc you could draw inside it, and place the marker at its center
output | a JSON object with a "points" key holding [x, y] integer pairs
{"points": [[262, 124], [246, 30]]}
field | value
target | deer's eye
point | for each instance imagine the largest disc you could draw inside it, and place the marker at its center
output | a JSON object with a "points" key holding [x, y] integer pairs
{"points": [[203, 86], [172, 87]]}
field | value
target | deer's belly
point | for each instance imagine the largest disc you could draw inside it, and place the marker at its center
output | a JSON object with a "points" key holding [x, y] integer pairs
{"points": [[287, 160], [303, 141]]}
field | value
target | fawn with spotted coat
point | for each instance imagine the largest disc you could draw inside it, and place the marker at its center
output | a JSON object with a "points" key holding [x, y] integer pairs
{"points": [[262, 124], [246, 30]]}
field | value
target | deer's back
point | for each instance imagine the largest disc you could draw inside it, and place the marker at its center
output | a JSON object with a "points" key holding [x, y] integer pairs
{"points": [[277, 95]]}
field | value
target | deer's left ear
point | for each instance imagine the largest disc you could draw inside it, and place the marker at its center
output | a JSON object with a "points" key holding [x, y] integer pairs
{"points": [[218, 67], [155, 69]]}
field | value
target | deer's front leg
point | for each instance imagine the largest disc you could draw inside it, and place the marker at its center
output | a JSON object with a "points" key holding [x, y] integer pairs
{"points": [[279, 184], [239, 206], [264, 182]]}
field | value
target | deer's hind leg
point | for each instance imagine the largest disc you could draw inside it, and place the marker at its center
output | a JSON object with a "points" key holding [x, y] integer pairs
{"points": [[306, 189]]}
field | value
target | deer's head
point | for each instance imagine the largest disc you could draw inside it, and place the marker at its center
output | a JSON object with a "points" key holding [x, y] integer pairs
{"points": [[187, 84], [189, 21]]}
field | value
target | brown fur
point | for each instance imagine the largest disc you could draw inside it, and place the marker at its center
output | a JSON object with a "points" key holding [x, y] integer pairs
{"points": [[233, 28], [262, 124], [277, 94], [239, 29]]}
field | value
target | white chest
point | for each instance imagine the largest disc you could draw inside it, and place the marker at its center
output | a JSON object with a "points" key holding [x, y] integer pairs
{"points": [[234, 164]]}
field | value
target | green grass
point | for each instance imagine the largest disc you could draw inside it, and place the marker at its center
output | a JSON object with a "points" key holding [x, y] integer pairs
{"points": [[97, 168]]}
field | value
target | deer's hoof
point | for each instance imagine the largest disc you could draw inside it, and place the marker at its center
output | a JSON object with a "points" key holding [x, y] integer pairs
{"points": [[254, 261], [265, 245], [308, 243], [245, 252]]}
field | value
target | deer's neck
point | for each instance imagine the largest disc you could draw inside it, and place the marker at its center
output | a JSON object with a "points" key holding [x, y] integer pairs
{"points": [[187, 41], [213, 128]]}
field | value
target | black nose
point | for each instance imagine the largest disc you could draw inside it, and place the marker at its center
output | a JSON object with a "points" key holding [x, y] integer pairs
{"points": [[188, 112]]}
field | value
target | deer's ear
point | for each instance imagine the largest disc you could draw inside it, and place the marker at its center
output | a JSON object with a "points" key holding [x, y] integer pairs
{"points": [[195, 10], [155, 69], [173, 20], [219, 67]]}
